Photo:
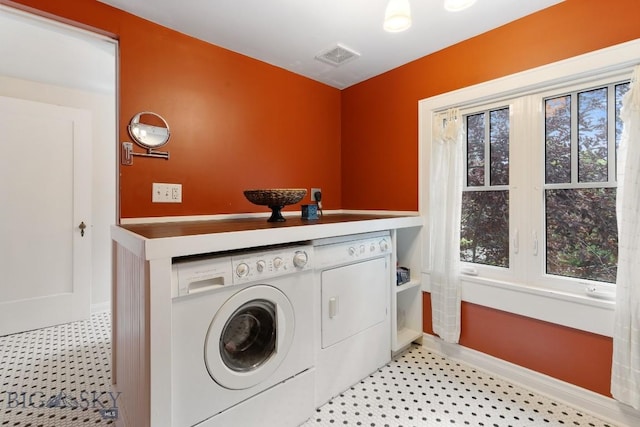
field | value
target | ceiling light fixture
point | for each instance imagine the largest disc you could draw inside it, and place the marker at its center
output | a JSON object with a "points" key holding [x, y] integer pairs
{"points": [[397, 16], [457, 5]]}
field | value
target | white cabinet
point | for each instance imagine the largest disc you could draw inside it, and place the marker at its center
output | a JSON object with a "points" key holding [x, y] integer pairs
{"points": [[142, 305], [406, 299]]}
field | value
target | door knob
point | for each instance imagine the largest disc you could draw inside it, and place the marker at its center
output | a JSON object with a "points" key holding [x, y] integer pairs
{"points": [[82, 226]]}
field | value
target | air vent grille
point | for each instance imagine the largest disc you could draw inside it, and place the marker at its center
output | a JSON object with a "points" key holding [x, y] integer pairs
{"points": [[337, 55]]}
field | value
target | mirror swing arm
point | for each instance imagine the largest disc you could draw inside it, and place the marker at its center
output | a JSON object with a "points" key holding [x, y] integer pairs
{"points": [[149, 131], [128, 153]]}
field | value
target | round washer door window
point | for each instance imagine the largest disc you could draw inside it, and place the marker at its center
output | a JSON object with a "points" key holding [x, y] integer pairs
{"points": [[249, 337]]}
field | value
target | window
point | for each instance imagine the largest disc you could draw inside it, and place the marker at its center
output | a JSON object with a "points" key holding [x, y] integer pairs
{"points": [[580, 160], [538, 203], [484, 235], [525, 284]]}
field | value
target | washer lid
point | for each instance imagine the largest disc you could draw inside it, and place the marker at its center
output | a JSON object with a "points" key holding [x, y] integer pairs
{"points": [[249, 337]]}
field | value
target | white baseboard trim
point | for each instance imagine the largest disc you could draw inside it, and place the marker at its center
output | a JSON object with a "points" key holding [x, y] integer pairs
{"points": [[100, 307], [215, 217], [603, 407], [159, 219], [379, 212]]}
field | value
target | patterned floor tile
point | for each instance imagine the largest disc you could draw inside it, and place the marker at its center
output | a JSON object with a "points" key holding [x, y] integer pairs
{"points": [[60, 377], [423, 389]]}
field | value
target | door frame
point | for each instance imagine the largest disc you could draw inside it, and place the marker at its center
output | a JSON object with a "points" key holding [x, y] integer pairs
{"points": [[106, 153]]}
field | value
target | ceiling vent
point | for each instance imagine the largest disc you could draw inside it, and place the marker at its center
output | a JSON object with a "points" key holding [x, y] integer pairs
{"points": [[338, 55]]}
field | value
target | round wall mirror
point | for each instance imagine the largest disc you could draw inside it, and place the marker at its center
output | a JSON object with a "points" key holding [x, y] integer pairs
{"points": [[149, 130]]}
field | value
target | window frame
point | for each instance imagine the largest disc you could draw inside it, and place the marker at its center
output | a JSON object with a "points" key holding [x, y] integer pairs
{"points": [[485, 270], [527, 186], [574, 308], [539, 275]]}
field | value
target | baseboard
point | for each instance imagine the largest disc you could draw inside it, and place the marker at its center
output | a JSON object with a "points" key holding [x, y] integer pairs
{"points": [[100, 307], [603, 407]]}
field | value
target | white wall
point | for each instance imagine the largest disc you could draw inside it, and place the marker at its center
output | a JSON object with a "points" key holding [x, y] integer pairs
{"points": [[103, 109]]}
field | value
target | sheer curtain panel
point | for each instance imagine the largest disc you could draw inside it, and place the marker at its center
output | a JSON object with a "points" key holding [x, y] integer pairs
{"points": [[625, 373], [445, 198]]}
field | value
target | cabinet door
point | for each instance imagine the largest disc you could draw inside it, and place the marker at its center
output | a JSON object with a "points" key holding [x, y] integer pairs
{"points": [[354, 297]]}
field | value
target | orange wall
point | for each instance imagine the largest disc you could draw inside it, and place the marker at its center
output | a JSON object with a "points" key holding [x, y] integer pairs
{"points": [[236, 123], [239, 123], [380, 132], [380, 115], [574, 356]]}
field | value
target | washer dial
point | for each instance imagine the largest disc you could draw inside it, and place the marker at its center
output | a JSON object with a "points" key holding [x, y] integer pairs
{"points": [[300, 259], [242, 269], [277, 262]]}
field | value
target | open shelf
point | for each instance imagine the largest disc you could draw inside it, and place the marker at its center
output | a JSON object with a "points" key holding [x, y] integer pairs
{"points": [[406, 299], [405, 337], [410, 284]]}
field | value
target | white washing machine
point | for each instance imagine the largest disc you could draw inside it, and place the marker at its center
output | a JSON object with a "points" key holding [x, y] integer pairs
{"points": [[242, 339]]}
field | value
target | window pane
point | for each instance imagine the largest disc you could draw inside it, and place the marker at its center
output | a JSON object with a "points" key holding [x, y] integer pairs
{"points": [[475, 150], [558, 140], [582, 238], [499, 145], [592, 136], [484, 235]]}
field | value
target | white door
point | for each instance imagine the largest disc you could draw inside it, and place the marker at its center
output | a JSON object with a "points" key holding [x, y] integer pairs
{"points": [[354, 298], [45, 194]]}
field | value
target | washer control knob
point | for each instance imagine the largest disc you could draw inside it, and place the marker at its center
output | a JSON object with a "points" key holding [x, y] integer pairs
{"points": [[300, 259], [352, 251], [260, 266], [372, 248], [361, 249], [242, 270], [277, 262], [384, 245]]}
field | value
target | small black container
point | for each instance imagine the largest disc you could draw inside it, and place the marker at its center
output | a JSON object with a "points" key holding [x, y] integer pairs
{"points": [[403, 275]]}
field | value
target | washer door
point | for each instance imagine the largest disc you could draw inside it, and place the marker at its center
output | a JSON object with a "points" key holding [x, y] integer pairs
{"points": [[249, 337]]}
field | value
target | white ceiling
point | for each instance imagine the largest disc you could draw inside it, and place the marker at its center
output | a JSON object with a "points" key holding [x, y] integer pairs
{"points": [[290, 33]]}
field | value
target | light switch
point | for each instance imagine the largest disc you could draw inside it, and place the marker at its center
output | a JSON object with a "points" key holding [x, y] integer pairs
{"points": [[166, 193]]}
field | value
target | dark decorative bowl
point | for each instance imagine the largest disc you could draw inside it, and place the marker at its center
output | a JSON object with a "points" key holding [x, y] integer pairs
{"points": [[276, 199]]}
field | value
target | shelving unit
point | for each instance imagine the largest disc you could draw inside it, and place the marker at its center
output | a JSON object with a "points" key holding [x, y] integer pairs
{"points": [[406, 299]]}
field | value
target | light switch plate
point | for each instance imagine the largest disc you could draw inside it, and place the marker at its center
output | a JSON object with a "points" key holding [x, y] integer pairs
{"points": [[166, 193]]}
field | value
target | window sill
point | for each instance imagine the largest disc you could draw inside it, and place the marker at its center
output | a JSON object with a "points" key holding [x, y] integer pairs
{"points": [[572, 310]]}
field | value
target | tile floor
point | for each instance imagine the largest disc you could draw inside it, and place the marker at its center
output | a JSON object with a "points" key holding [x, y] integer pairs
{"points": [[424, 389], [60, 376]]}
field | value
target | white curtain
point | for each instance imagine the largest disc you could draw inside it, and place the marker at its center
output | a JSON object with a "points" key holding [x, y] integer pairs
{"points": [[445, 198], [625, 373]]}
